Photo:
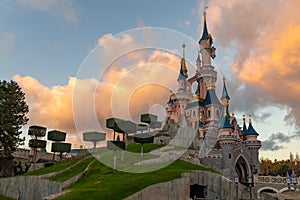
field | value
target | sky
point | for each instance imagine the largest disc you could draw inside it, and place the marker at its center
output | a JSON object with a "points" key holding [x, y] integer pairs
{"points": [[80, 62]]}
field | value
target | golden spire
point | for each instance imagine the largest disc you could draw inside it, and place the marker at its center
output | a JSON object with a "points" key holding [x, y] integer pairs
{"points": [[250, 119], [183, 64], [244, 118]]}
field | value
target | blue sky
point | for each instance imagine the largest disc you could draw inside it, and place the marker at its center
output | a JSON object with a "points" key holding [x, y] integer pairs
{"points": [[43, 44]]}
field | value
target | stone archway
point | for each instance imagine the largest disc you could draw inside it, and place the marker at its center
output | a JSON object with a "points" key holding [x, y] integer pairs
{"points": [[267, 189], [242, 169]]}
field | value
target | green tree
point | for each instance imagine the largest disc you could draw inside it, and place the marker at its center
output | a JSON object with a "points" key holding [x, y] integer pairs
{"points": [[13, 110], [283, 169]]}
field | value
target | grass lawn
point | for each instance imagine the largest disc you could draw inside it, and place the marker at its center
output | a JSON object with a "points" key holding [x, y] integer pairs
{"points": [[4, 198], [136, 148], [102, 182], [73, 171], [53, 168]]}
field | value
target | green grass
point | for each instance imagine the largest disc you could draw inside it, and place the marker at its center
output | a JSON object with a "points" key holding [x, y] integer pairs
{"points": [[136, 148], [53, 168], [102, 182], [4, 198], [72, 172]]}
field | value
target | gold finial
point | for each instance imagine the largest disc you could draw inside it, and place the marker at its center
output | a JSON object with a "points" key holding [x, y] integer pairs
{"points": [[244, 118], [204, 13], [201, 116], [250, 119], [224, 80], [232, 115]]}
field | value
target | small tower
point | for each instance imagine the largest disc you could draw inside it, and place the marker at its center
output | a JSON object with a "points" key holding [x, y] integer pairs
{"points": [[225, 103], [253, 145]]}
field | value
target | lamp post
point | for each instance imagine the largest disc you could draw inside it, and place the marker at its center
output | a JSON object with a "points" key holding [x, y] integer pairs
{"points": [[288, 180], [250, 185], [236, 180]]}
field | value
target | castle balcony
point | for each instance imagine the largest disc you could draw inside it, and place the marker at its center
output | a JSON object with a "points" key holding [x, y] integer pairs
{"points": [[227, 137], [255, 144]]}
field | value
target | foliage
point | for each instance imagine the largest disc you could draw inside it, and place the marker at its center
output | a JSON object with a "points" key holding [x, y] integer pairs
{"points": [[283, 169], [279, 167], [20, 168], [13, 110]]}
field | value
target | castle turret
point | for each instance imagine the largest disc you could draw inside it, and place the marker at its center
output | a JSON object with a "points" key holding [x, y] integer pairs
{"points": [[253, 145]]}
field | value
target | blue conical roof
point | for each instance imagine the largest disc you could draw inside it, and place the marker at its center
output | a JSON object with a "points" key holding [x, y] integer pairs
{"points": [[198, 59], [205, 31], [211, 97], [225, 94], [251, 130], [181, 75]]}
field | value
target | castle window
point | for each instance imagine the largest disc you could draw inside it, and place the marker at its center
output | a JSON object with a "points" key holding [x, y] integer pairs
{"points": [[229, 156], [208, 113], [194, 113]]}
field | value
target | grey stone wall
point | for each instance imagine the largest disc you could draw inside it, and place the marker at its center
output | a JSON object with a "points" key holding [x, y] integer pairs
{"points": [[218, 187], [28, 187]]}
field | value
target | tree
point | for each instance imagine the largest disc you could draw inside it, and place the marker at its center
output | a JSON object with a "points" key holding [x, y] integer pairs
{"points": [[283, 169], [13, 110]]}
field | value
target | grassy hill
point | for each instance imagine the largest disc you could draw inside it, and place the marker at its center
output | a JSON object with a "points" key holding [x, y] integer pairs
{"points": [[103, 182]]}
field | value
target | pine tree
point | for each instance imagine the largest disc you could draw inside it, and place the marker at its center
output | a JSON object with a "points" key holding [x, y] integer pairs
{"points": [[13, 110]]}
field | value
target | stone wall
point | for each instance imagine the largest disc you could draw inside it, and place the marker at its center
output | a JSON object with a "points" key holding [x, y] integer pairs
{"points": [[217, 187], [28, 187]]}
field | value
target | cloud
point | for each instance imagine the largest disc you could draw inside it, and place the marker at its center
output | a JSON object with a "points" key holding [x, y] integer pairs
{"points": [[275, 140], [266, 62], [63, 8], [7, 43], [117, 93]]}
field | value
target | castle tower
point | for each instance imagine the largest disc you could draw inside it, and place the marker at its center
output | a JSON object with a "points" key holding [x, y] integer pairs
{"points": [[253, 145], [208, 75], [207, 52]]}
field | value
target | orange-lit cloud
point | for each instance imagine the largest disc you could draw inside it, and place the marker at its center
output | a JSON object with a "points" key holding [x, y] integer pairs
{"points": [[123, 92], [266, 65]]}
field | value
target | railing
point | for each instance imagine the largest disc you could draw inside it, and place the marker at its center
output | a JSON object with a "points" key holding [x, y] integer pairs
{"points": [[271, 179]]}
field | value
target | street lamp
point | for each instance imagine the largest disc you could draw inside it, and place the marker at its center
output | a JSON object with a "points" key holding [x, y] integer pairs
{"points": [[236, 180], [250, 185], [288, 180]]}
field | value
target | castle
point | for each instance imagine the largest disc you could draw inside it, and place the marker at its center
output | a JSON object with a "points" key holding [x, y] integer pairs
{"points": [[221, 142]]}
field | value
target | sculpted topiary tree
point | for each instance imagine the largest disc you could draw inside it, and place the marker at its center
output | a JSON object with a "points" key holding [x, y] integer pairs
{"points": [[36, 132], [94, 137]]}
